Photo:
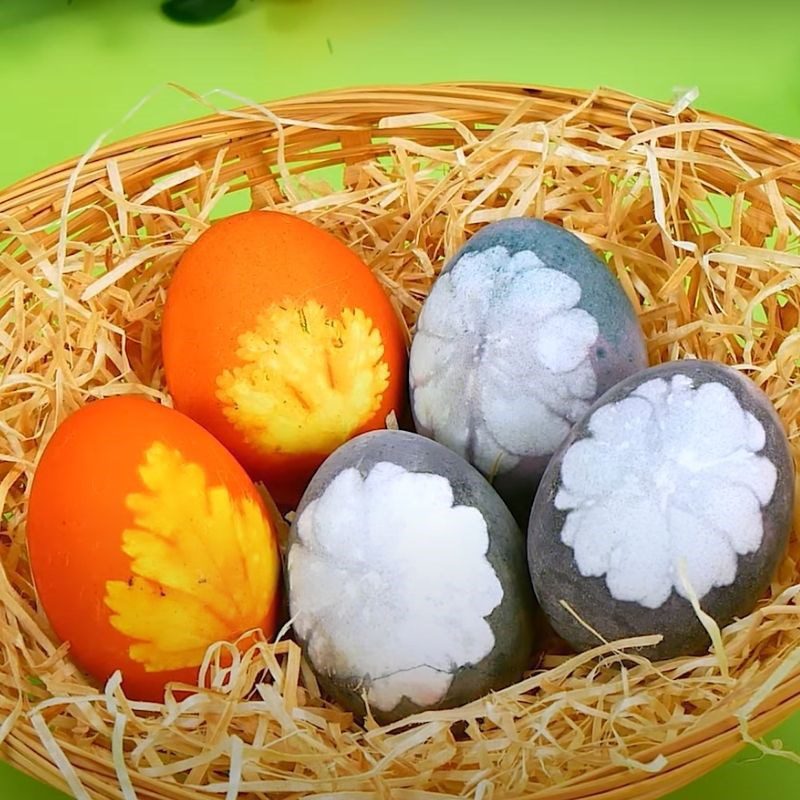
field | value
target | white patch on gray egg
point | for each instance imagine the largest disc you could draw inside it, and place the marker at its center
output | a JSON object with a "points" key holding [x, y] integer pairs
{"points": [[389, 582], [669, 475], [500, 363]]}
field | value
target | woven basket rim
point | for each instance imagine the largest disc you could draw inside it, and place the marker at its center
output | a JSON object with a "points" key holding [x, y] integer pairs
{"points": [[12, 193]]}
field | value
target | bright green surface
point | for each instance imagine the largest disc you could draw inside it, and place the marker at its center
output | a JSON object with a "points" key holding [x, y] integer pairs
{"points": [[69, 71]]}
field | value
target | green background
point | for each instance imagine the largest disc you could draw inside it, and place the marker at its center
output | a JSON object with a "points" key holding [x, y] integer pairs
{"points": [[71, 70]]}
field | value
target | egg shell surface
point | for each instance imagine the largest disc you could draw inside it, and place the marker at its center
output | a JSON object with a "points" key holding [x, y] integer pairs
{"points": [[521, 332], [279, 340], [148, 543], [407, 579], [679, 480]]}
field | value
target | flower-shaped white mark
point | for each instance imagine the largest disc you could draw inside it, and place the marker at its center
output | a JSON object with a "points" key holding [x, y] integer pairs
{"points": [[500, 363], [669, 475], [390, 584]]}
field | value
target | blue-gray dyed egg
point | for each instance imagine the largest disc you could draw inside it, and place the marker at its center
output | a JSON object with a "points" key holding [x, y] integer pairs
{"points": [[407, 578], [679, 481], [521, 332]]}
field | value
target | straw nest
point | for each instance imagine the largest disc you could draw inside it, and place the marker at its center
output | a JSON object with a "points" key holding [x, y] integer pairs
{"points": [[698, 216]]}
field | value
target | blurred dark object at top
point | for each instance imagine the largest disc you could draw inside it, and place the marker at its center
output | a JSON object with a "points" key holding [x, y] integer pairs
{"points": [[196, 11]]}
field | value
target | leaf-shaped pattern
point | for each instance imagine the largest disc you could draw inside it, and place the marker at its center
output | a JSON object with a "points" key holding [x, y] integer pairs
{"points": [[308, 381], [204, 567]]}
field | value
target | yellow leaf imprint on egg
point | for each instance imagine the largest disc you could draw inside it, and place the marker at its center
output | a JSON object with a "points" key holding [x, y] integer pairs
{"points": [[308, 381], [204, 565]]}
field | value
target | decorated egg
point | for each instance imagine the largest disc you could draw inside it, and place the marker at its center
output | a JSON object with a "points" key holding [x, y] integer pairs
{"points": [[280, 341], [148, 543], [677, 484], [522, 331], [407, 578]]}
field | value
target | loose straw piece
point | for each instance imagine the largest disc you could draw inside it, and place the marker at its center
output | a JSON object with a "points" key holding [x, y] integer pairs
{"points": [[786, 668], [706, 620], [118, 737], [59, 759]]}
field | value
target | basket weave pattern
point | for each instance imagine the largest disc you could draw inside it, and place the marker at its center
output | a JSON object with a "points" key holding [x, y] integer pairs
{"points": [[698, 216]]}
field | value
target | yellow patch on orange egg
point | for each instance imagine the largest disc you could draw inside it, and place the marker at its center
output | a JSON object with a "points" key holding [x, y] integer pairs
{"points": [[202, 566], [308, 380]]}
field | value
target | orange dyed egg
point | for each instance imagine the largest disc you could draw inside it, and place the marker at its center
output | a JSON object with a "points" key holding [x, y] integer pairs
{"points": [[148, 543], [279, 340]]}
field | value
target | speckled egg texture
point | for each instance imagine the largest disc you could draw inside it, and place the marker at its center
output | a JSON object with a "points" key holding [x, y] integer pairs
{"points": [[522, 331], [677, 483], [407, 579]]}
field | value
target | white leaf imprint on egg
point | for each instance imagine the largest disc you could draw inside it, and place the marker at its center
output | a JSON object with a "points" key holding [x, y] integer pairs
{"points": [[390, 584], [669, 473], [500, 363]]}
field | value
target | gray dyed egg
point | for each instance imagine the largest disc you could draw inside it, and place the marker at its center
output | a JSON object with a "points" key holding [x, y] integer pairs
{"points": [[521, 332], [679, 480], [407, 579]]}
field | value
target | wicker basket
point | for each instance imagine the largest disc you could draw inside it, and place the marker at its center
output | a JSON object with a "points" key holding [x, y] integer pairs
{"points": [[698, 216]]}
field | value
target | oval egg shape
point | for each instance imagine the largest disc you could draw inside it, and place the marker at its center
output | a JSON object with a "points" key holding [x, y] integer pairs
{"points": [[522, 331], [280, 341], [678, 482], [148, 543], [407, 579]]}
